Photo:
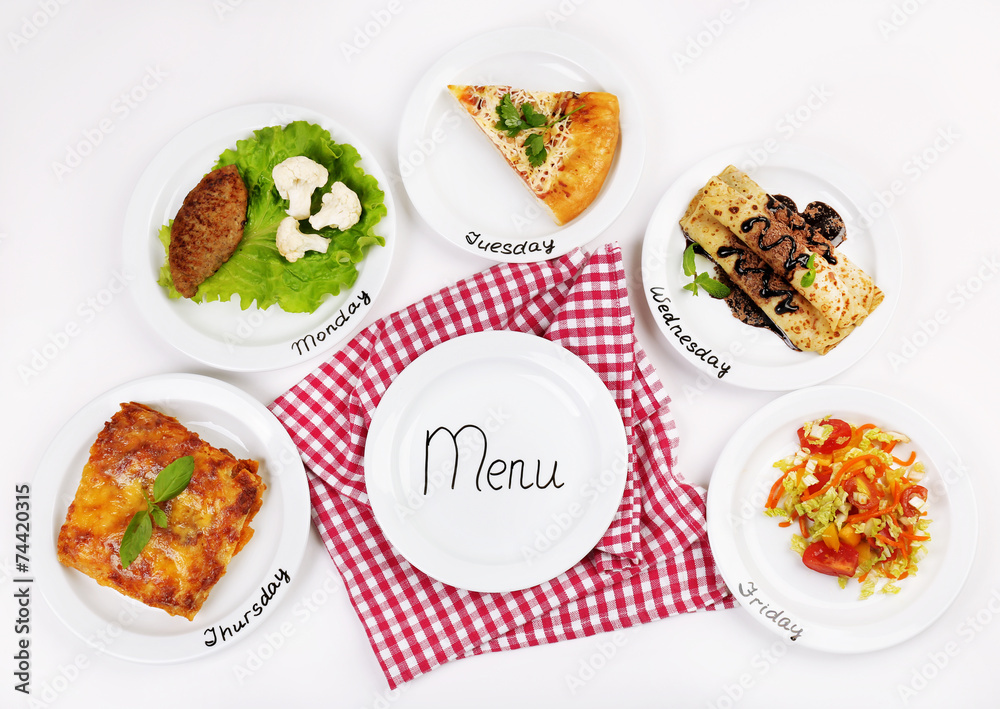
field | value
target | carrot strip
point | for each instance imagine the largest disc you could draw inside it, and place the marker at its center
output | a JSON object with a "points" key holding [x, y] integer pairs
{"points": [[908, 461]]}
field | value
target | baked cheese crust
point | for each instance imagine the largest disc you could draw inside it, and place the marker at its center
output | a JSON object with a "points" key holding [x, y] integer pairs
{"points": [[580, 149], [208, 522]]}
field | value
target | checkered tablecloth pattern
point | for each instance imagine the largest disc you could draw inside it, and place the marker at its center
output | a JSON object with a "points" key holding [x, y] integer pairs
{"points": [[654, 560]]}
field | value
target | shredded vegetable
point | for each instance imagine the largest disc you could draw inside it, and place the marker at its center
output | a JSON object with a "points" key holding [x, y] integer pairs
{"points": [[855, 502]]}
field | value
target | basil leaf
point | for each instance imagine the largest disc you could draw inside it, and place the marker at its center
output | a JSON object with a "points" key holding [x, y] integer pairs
{"points": [[172, 480], [689, 267], [159, 516], [712, 286], [137, 534]]}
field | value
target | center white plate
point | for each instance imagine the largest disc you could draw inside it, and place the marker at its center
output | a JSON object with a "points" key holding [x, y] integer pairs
{"points": [[703, 331], [528, 484], [220, 333], [459, 183], [225, 417], [769, 579]]}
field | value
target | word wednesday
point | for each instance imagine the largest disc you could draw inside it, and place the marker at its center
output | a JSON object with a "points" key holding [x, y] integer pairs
{"points": [[496, 471]]}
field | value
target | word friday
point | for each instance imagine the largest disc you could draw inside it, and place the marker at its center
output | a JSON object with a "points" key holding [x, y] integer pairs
{"points": [[496, 471], [774, 615], [507, 248]]}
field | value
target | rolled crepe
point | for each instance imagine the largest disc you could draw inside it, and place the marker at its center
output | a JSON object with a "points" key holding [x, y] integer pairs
{"points": [[803, 325], [841, 292]]}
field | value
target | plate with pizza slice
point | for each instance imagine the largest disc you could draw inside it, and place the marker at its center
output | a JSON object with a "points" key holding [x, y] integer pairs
{"points": [[521, 145]]}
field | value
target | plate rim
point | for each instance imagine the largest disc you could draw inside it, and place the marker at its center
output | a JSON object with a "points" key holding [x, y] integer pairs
{"points": [[598, 217], [161, 312], [533, 573], [733, 568], [663, 230], [77, 615]]}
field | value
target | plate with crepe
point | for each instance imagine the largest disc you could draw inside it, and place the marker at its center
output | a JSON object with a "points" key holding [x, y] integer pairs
{"points": [[811, 259]]}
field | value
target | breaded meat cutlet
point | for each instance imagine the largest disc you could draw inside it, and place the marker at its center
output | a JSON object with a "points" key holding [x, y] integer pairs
{"points": [[207, 229]]}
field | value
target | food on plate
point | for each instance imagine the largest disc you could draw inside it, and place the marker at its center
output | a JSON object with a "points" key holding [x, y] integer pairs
{"points": [[561, 143], [194, 536], [296, 178], [293, 244], [783, 260], [208, 228], [340, 208], [859, 507], [257, 272]]}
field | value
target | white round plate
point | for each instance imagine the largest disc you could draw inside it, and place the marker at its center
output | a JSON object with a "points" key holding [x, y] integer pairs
{"points": [[496, 461], [220, 333], [461, 185], [703, 330], [769, 579], [225, 417]]}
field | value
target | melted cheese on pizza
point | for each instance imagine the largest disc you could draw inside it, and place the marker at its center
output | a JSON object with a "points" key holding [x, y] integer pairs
{"points": [[207, 523], [579, 148]]}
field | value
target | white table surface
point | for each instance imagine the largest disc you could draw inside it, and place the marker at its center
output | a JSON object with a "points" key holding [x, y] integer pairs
{"points": [[894, 78]]}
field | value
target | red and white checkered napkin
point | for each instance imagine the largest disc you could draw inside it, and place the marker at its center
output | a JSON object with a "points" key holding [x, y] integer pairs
{"points": [[654, 559]]}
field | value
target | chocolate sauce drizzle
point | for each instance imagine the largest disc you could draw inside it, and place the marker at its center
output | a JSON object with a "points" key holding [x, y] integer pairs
{"points": [[802, 238], [766, 290]]}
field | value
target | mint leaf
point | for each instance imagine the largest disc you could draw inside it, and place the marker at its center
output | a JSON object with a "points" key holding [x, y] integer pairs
{"points": [[689, 268], [809, 277], [172, 480], [712, 286], [137, 534]]}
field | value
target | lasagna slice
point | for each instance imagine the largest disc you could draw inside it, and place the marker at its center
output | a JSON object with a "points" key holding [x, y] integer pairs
{"points": [[208, 523]]}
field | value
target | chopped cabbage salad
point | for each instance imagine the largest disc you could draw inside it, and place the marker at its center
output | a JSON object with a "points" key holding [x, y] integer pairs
{"points": [[857, 506]]}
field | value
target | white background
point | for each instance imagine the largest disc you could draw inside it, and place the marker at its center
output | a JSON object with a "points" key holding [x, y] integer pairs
{"points": [[900, 82]]}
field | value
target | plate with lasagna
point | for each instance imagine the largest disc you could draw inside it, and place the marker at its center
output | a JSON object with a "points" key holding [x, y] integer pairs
{"points": [[521, 145], [156, 566], [274, 289], [771, 276]]}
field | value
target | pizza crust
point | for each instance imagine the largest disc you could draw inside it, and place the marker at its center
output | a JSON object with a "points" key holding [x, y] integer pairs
{"points": [[580, 149]]}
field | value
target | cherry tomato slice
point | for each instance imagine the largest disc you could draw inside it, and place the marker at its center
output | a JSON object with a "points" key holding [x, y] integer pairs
{"points": [[909, 510], [822, 478], [859, 485], [838, 438], [819, 557]]}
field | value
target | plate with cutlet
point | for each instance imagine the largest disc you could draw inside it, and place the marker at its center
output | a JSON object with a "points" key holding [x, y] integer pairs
{"points": [[211, 286]]}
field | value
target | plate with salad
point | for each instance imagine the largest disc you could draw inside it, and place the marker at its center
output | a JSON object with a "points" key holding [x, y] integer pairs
{"points": [[842, 519], [261, 311]]}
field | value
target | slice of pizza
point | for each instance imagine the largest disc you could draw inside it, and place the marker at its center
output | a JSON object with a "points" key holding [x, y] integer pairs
{"points": [[561, 143]]}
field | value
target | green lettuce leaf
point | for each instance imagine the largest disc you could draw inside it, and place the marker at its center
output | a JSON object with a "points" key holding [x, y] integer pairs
{"points": [[256, 271]]}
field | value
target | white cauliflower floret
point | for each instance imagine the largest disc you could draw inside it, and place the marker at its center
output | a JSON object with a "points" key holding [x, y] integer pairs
{"points": [[341, 208], [296, 179], [293, 244]]}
